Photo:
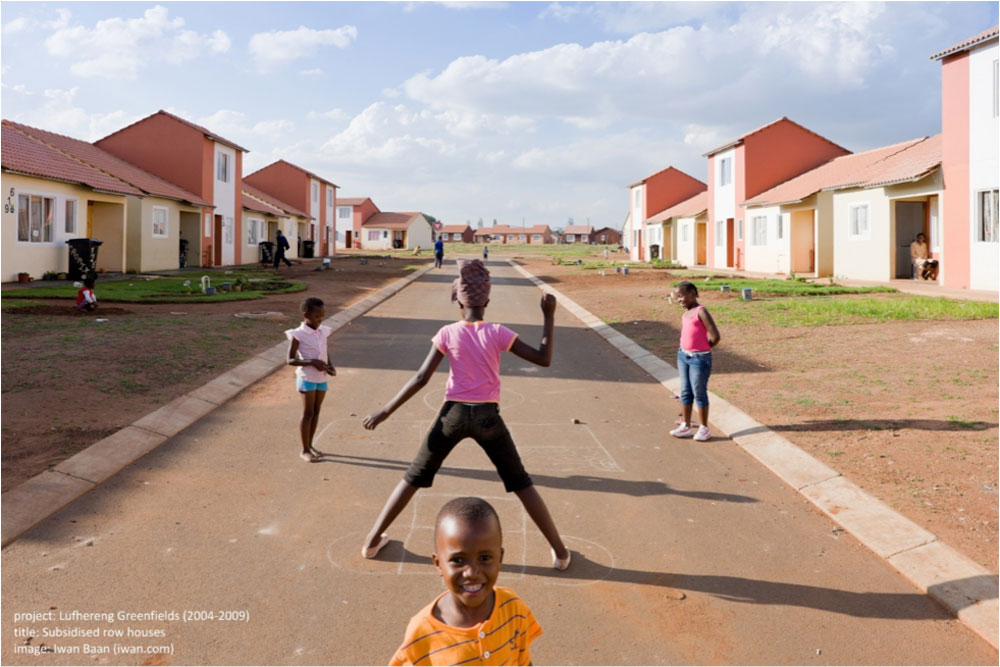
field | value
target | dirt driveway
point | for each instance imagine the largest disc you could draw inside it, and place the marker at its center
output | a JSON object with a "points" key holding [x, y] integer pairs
{"points": [[907, 410], [70, 380]]}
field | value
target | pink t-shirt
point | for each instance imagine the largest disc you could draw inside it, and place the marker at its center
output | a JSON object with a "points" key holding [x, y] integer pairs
{"points": [[473, 350], [312, 345], [694, 333]]}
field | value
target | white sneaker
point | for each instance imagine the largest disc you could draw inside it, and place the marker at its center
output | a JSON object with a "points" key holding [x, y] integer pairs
{"points": [[682, 431], [703, 434]]}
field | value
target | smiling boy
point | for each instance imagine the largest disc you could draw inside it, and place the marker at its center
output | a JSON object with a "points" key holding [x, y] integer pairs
{"points": [[474, 622]]}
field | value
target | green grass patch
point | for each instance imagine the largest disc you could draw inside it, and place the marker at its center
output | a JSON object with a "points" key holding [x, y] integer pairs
{"points": [[819, 311], [18, 302], [179, 288], [783, 287]]}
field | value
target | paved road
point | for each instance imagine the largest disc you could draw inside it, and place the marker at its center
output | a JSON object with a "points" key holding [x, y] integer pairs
{"points": [[225, 517]]}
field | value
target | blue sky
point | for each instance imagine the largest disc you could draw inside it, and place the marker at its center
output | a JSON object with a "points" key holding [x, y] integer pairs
{"points": [[465, 110]]}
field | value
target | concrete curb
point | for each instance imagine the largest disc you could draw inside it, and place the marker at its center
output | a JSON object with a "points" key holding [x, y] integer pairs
{"points": [[44, 494], [952, 579]]}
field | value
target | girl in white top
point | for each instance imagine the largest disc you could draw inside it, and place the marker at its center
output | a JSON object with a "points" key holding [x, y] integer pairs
{"points": [[307, 351]]}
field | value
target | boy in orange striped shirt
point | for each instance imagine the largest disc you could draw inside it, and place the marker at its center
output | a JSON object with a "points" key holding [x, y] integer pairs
{"points": [[473, 622]]}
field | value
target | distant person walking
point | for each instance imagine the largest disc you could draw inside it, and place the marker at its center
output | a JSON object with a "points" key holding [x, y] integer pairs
{"points": [[486, 252], [438, 253], [280, 246]]}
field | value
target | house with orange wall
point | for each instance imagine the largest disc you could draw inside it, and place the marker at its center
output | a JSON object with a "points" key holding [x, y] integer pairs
{"points": [[265, 215], [651, 195], [854, 216], [352, 212], [305, 191], [748, 165], [969, 118], [199, 161], [456, 233]]}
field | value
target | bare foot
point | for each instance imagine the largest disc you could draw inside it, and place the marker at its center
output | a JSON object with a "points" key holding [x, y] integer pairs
{"points": [[315, 452], [309, 457]]}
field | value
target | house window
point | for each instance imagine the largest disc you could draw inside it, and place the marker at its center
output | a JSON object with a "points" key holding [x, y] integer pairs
{"points": [[986, 211], [859, 221], [684, 233], [758, 227], [315, 192], [720, 233], [781, 226], [522, 238], [329, 196], [227, 230], [343, 212], [34, 218], [536, 237], [373, 235], [739, 229], [208, 224], [996, 88], [444, 237], [160, 222], [385, 233], [570, 237], [70, 223], [222, 167], [638, 195], [583, 238], [254, 228], [725, 171]]}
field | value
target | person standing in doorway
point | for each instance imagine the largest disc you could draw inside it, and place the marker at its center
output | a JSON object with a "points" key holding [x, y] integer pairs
{"points": [[280, 246]]}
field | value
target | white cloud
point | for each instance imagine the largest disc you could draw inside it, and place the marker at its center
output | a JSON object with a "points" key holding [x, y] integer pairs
{"points": [[238, 127], [17, 25], [315, 73], [60, 112], [119, 48], [271, 50], [332, 114]]}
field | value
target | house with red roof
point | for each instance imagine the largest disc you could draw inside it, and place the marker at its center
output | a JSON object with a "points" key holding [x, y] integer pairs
{"points": [[578, 234], [743, 168], [157, 212], [456, 234], [307, 192], [198, 161], [682, 231], [650, 196], [970, 217], [352, 212], [854, 216], [507, 234], [264, 216], [607, 236], [396, 231]]}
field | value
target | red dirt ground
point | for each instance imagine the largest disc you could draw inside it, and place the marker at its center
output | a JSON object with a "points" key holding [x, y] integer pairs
{"points": [[907, 410]]}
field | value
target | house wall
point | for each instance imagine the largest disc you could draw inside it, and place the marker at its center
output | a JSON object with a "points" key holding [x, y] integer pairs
{"points": [[251, 251], [687, 239], [420, 233], [37, 258], [869, 257], [108, 223], [329, 197], [637, 213], [722, 206], [773, 255], [224, 198], [283, 181], [956, 210], [984, 165], [344, 224], [383, 242], [146, 252]]}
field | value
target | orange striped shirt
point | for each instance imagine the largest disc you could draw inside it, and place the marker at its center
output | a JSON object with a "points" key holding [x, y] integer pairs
{"points": [[502, 639]]}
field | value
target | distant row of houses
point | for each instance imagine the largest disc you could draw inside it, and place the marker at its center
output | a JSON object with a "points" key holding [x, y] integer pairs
{"points": [[783, 199], [165, 192], [534, 235]]}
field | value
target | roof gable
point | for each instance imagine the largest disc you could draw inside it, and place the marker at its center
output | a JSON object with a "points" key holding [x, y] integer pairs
{"points": [[762, 128], [205, 131], [965, 45], [273, 201]]}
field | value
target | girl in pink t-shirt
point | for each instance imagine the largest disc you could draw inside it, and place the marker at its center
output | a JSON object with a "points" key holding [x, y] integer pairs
{"points": [[694, 360], [473, 347]]}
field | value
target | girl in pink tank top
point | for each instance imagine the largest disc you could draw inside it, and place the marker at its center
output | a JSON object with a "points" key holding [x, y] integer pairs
{"points": [[694, 360]]}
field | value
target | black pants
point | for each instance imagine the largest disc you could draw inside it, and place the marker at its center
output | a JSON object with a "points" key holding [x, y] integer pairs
{"points": [[279, 257], [482, 423]]}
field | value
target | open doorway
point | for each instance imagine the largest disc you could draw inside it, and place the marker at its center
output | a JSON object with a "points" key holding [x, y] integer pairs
{"points": [[909, 223], [190, 240]]}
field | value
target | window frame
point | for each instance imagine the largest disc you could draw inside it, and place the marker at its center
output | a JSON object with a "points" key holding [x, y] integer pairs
{"points": [[758, 230], [981, 221], [867, 232], [779, 229], [222, 167], [76, 217], [720, 233], [725, 171], [684, 232], [254, 228], [28, 195], [166, 222], [341, 210]]}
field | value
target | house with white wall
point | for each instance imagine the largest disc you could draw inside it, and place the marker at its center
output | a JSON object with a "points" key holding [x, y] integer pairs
{"points": [[307, 192], [650, 196], [681, 231], [970, 239], [352, 212], [268, 215], [389, 231]]}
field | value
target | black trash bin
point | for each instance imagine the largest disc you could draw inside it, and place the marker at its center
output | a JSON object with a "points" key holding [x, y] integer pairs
{"points": [[266, 252], [183, 258], [82, 258], [308, 249]]}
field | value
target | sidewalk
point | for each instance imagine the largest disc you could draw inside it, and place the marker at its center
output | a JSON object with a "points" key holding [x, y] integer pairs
{"points": [[684, 553]]}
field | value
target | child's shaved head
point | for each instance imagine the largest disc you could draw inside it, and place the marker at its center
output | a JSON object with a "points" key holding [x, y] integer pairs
{"points": [[468, 510]]}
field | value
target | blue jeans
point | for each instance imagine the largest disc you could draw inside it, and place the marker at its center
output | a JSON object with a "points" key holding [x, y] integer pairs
{"points": [[694, 370]]}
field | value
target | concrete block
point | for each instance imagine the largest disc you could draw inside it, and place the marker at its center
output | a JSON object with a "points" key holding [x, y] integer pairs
{"points": [[176, 415], [106, 457], [42, 495]]}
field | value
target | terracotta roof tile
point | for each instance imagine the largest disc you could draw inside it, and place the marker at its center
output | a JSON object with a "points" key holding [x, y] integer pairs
{"points": [[352, 201], [687, 208], [26, 155], [391, 220], [897, 163], [992, 33], [454, 229], [274, 202], [101, 159], [578, 229]]}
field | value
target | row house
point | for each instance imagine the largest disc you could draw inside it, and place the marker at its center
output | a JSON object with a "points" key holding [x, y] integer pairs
{"points": [[607, 236], [352, 212], [158, 217], [506, 234], [681, 230], [456, 234], [969, 128], [651, 195], [307, 192], [578, 234], [200, 162], [853, 216], [266, 215], [397, 231]]}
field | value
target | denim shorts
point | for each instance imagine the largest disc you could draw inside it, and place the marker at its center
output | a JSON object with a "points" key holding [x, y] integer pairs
{"points": [[694, 370], [482, 423], [304, 386]]}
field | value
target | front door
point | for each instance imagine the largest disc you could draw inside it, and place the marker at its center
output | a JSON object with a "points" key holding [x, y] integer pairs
{"points": [[729, 242], [217, 238]]}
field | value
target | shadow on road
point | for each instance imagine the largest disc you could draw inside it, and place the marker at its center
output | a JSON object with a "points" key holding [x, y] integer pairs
{"points": [[637, 488]]}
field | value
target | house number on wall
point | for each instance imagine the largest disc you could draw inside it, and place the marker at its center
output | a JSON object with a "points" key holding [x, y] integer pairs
{"points": [[8, 206]]}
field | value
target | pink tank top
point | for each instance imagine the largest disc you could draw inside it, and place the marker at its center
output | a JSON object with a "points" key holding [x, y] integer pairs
{"points": [[694, 334]]}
